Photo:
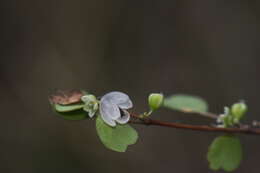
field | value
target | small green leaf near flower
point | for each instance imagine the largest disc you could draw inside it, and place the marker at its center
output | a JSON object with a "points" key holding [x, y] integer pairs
{"points": [[69, 112], [68, 108], [116, 138], [73, 115]]}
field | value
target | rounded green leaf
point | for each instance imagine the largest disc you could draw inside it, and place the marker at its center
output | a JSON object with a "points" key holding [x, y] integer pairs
{"points": [[116, 138], [68, 108], [225, 153], [186, 103]]}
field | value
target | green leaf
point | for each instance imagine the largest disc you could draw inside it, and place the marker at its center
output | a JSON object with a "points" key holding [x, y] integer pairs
{"points": [[68, 108], [186, 103], [71, 114], [225, 153], [116, 138], [74, 115]]}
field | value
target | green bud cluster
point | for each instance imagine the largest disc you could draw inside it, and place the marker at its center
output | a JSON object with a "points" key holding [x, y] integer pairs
{"points": [[233, 115], [238, 110], [91, 104]]}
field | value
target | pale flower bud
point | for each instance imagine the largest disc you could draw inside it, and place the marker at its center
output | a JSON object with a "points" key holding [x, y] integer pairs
{"points": [[238, 110], [155, 100]]}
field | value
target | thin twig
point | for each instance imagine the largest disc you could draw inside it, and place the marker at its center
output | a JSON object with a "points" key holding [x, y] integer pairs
{"points": [[204, 128]]}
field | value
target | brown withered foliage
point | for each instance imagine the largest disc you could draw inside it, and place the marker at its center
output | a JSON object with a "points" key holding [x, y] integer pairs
{"points": [[66, 97]]}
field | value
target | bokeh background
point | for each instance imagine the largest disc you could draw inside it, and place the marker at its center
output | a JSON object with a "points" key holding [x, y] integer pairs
{"points": [[205, 48]]}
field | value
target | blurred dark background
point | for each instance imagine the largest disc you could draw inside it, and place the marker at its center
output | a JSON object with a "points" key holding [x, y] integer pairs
{"points": [[205, 48]]}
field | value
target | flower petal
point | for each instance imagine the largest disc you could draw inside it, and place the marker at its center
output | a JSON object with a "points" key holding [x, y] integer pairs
{"points": [[108, 120], [120, 99], [124, 118], [109, 110]]}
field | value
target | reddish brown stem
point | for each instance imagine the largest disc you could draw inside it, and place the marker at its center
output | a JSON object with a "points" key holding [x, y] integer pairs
{"points": [[204, 128]]}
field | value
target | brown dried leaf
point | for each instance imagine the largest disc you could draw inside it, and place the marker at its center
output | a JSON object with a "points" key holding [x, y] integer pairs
{"points": [[66, 97]]}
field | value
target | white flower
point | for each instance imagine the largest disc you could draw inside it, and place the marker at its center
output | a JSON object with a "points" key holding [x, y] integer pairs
{"points": [[113, 107]]}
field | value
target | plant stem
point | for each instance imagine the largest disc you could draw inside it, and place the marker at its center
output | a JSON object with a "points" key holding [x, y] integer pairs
{"points": [[240, 130]]}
